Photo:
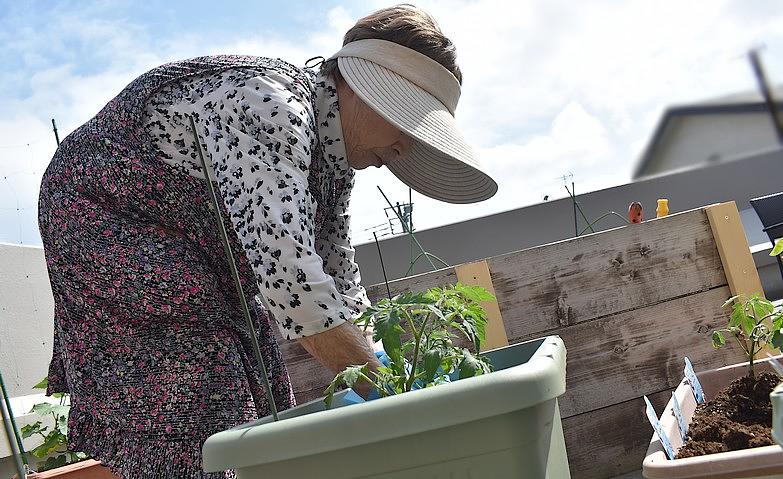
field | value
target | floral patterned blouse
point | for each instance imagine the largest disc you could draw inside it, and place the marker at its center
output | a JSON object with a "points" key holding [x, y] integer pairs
{"points": [[259, 130]]}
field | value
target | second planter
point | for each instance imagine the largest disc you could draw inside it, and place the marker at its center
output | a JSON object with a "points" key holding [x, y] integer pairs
{"points": [[505, 424]]}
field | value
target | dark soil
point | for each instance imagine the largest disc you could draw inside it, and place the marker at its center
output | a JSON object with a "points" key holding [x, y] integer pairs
{"points": [[739, 417]]}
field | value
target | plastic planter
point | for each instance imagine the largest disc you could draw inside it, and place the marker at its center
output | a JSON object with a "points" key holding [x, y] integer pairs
{"points": [[87, 469], [760, 462], [501, 425]]}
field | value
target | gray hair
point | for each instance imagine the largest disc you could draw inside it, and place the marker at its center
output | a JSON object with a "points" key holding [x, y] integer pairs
{"points": [[406, 25]]}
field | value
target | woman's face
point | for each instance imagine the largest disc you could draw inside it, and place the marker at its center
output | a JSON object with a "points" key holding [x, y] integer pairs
{"points": [[369, 139]]}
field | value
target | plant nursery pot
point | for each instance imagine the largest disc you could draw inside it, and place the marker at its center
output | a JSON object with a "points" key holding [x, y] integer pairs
{"points": [[505, 424], [759, 462], [87, 469]]}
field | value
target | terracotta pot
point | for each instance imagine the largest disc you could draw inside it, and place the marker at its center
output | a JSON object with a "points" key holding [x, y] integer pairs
{"points": [[759, 462], [89, 469]]}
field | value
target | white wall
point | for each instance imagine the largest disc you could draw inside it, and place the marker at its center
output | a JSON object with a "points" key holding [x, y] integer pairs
{"points": [[695, 139], [26, 317]]}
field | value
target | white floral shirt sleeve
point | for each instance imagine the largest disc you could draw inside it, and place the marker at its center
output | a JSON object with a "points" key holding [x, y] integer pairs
{"points": [[260, 129]]}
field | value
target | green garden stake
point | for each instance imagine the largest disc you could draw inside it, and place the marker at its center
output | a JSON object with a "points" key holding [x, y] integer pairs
{"points": [[270, 399], [17, 448]]}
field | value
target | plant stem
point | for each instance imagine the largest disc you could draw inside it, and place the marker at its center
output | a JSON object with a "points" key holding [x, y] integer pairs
{"points": [[373, 384], [417, 336]]}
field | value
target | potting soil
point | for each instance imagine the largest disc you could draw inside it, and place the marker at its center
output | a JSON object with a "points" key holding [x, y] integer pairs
{"points": [[739, 417]]}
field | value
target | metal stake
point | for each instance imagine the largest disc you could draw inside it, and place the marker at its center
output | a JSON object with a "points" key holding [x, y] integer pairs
{"points": [[766, 93], [56, 135], [235, 274], [385, 279], [17, 449]]}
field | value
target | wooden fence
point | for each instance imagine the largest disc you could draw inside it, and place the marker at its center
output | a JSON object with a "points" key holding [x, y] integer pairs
{"points": [[630, 304]]}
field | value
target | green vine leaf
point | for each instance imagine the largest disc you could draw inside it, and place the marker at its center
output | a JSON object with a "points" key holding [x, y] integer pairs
{"points": [[778, 248], [52, 463], [718, 340], [43, 384], [32, 429]]}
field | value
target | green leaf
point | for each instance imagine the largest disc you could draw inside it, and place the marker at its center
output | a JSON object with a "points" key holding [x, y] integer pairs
{"points": [[778, 248], [52, 463], [43, 384], [776, 339], [53, 440], [60, 410], [42, 409], [760, 306], [476, 294], [348, 377], [32, 429], [432, 360], [469, 366], [777, 322], [353, 373], [718, 340], [62, 425]]}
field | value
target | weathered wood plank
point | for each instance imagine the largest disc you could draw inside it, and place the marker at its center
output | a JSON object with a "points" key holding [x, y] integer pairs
{"points": [[562, 284], [563, 287], [624, 356], [420, 282], [308, 377], [612, 440]]}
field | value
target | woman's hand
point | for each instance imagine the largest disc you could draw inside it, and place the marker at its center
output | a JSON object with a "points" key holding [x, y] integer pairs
{"points": [[341, 346]]}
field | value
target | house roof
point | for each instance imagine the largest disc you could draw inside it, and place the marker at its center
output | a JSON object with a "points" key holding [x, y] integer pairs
{"points": [[749, 101]]}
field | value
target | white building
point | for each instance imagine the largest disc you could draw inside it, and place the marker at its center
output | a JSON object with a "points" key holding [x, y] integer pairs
{"points": [[709, 132]]}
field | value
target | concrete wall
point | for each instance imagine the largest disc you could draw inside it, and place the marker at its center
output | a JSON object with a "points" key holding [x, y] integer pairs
{"points": [[738, 180], [695, 139], [26, 317]]}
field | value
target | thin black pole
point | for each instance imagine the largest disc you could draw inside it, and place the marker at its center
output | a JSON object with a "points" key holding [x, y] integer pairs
{"points": [[12, 433], [410, 229], [573, 199], [579, 208], [56, 135], [402, 221], [383, 268], [270, 399], [758, 70]]}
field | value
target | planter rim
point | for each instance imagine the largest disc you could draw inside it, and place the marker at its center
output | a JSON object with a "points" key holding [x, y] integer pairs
{"points": [[777, 414], [514, 388], [759, 460], [67, 469]]}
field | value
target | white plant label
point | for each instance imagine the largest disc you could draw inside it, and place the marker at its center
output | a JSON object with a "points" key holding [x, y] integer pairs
{"points": [[681, 425], [698, 392], [656, 424]]}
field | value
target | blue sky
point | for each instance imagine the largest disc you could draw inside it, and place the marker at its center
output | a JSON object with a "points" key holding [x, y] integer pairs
{"points": [[551, 86]]}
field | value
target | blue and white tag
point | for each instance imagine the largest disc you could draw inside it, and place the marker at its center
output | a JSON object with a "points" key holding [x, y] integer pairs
{"points": [[698, 392], [681, 424], [656, 424]]}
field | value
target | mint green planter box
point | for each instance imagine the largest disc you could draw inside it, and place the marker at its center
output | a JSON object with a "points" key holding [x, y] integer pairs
{"points": [[501, 425], [777, 414]]}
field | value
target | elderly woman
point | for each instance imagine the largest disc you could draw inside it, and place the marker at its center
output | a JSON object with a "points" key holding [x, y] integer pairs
{"points": [[150, 339]]}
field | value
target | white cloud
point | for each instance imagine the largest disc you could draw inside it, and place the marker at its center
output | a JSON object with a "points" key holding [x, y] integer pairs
{"points": [[550, 86]]}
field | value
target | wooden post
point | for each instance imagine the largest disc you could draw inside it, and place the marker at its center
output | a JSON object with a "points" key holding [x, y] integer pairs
{"points": [[477, 274], [741, 273]]}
